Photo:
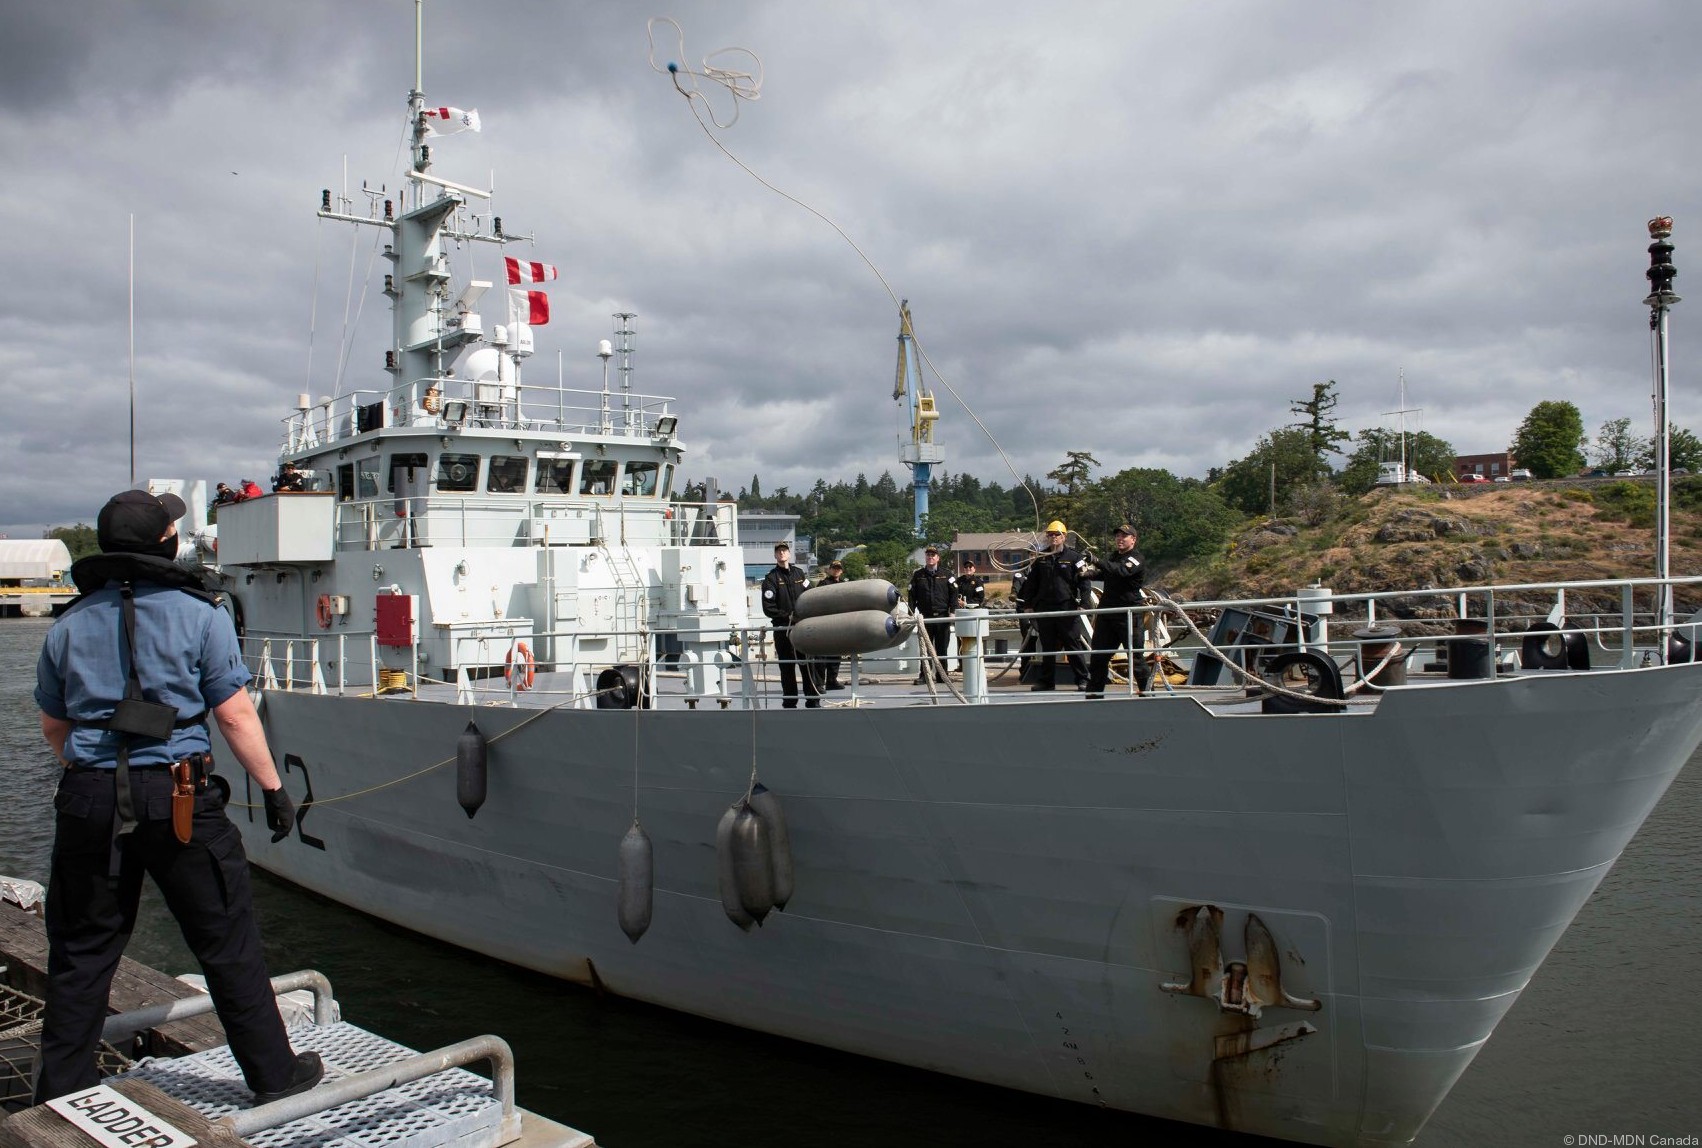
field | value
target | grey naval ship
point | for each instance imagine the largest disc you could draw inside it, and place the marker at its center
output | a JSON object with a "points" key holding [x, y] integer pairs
{"points": [[519, 697]]}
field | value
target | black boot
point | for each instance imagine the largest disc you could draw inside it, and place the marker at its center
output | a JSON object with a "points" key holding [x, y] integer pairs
{"points": [[309, 1071]]}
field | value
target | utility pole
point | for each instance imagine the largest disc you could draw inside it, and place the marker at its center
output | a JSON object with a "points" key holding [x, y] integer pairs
{"points": [[1659, 301]]}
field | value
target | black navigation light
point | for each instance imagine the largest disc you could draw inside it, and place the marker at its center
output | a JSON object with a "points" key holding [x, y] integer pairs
{"points": [[389, 210], [325, 199], [1661, 271]]}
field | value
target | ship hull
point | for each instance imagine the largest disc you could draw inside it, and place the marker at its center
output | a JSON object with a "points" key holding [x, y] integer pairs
{"points": [[1016, 893]]}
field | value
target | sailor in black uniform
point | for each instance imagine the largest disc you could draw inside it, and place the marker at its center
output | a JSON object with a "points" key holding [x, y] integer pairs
{"points": [[933, 597], [1053, 583], [1123, 573], [781, 587], [971, 587], [827, 667]]}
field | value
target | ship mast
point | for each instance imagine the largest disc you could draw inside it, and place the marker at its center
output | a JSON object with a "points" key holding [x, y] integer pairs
{"points": [[1403, 412], [1660, 301]]}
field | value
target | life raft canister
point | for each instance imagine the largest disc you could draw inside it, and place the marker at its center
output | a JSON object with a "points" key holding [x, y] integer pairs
{"points": [[322, 611], [522, 672]]}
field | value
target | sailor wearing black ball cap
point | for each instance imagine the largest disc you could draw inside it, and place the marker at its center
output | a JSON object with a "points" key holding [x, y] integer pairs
{"points": [[1123, 573], [125, 681]]}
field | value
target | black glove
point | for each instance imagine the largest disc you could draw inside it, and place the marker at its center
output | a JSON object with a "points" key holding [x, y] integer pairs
{"points": [[280, 813]]}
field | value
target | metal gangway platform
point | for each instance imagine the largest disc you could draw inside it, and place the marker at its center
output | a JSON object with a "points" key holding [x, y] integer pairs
{"points": [[375, 1093]]}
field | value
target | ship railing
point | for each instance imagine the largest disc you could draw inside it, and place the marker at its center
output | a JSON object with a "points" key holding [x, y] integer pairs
{"points": [[480, 520], [727, 664], [454, 404], [1363, 632], [1504, 615], [334, 663]]}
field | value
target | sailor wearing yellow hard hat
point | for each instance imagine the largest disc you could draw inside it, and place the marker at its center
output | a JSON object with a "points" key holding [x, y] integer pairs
{"points": [[1054, 583]]}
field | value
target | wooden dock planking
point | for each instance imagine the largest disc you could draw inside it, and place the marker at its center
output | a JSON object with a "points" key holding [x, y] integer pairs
{"points": [[41, 1127], [23, 950]]}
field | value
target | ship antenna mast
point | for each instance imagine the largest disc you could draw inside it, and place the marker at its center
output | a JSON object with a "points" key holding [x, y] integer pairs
{"points": [[623, 348], [1403, 412], [1659, 301]]}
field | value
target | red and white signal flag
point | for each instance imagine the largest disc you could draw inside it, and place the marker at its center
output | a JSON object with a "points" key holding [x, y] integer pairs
{"points": [[533, 306], [520, 271]]}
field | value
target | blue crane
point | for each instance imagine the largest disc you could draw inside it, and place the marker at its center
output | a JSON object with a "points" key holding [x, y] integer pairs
{"points": [[921, 452]]}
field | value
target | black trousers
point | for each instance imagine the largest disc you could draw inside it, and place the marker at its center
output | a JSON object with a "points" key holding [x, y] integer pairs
{"points": [[790, 664], [940, 635], [1110, 634], [1059, 636], [90, 917]]}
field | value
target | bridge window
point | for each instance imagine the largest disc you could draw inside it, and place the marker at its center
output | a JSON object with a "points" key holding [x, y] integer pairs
{"points": [[507, 474], [598, 476], [555, 476], [457, 472], [667, 480], [640, 479], [402, 468]]}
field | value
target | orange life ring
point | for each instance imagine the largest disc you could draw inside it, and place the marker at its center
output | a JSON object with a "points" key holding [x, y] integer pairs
{"points": [[323, 611], [522, 678]]}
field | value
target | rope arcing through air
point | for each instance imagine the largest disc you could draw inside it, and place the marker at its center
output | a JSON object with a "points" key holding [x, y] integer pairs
{"points": [[743, 85]]}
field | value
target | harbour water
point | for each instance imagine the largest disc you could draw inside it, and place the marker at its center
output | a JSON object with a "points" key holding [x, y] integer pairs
{"points": [[1603, 1043]]}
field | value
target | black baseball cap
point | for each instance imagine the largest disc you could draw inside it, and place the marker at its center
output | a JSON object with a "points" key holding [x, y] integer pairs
{"points": [[1125, 529], [134, 520]]}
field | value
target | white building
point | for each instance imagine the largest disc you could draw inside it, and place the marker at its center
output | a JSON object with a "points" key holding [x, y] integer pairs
{"points": [[33, 561]]}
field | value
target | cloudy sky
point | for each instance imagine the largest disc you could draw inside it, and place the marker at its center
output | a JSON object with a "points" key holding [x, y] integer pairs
{"points": [[1137, 229]]}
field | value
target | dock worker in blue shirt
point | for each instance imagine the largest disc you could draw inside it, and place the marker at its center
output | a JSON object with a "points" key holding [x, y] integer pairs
{"points": [[127, 679]]}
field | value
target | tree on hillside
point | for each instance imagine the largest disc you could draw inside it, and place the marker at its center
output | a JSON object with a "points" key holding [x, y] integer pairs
{"points": [[1617, 448], [945, 521], [79, 539], [1072, 474], [1550, 442], [1683, 448], [1322, 433], [1425, 454], [890, 559], [856, 563], [1246, 482], [1177, 517]]}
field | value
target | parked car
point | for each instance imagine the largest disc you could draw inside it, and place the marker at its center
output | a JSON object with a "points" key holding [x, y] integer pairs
{"points": [[1521, 474], [1501, 478], [1625, 474], [1473, 478], [1597, 472]]}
